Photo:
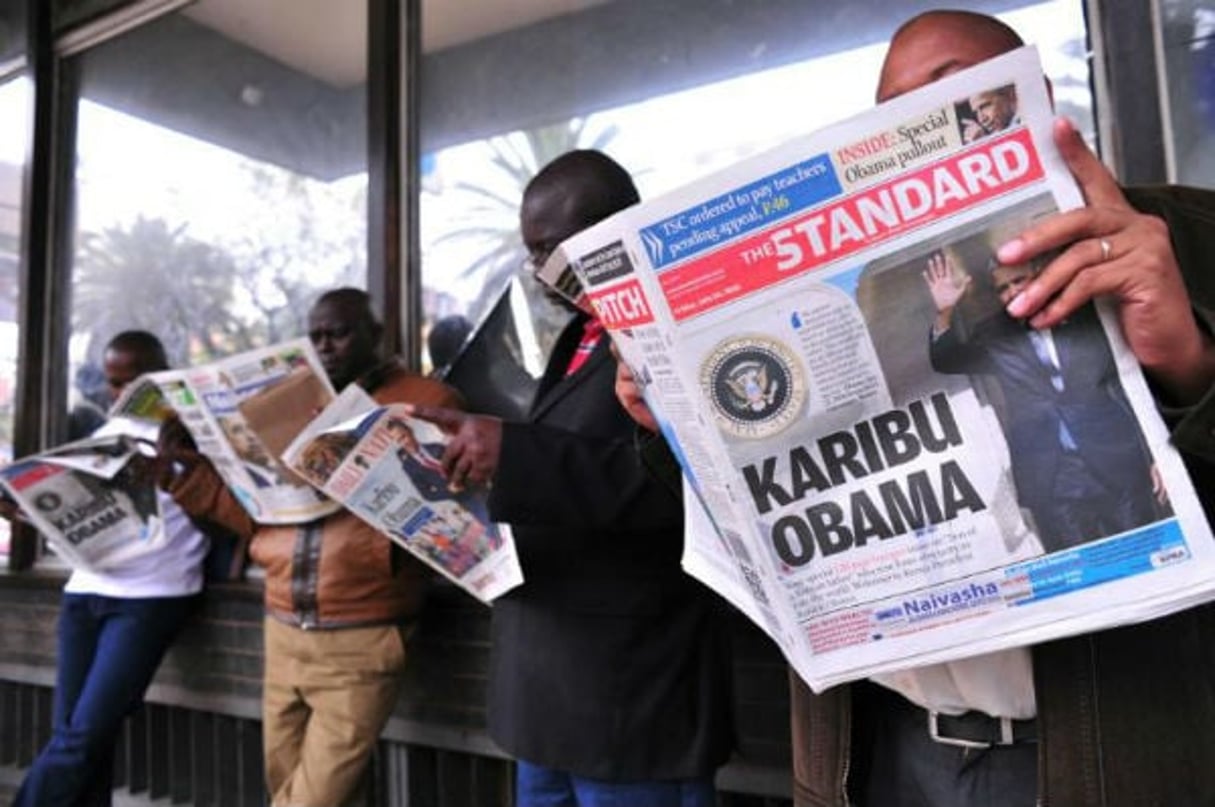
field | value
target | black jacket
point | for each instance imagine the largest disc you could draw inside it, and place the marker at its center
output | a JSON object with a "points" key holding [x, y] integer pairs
{"points": [[608, 662]]}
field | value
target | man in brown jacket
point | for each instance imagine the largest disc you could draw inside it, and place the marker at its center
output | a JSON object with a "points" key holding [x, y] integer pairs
{"points": [[339, 595]]}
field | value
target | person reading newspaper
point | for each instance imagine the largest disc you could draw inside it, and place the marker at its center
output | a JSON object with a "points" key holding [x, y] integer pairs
{"points": [[339, 597], [1119, 718], [114, 628], [609, 673]]}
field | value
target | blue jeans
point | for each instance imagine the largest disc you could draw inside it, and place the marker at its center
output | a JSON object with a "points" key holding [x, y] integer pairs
{"points": [[537, 786], [109, 649]]}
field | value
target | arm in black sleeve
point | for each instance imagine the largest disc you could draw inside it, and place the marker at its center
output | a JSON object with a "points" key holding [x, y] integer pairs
{"points": [[552, 477]]}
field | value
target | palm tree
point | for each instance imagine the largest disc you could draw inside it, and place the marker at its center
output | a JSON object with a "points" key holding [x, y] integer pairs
{"points": [[312, 238], [154, 276], [491, 217]]}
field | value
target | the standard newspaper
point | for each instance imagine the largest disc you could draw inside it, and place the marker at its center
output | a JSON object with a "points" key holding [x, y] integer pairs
{"points": [[242, 411], [94, 500], [884, 469], [384, 466]]}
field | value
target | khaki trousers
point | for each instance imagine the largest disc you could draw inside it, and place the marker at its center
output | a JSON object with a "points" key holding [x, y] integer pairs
{"points": [[326, 697]]}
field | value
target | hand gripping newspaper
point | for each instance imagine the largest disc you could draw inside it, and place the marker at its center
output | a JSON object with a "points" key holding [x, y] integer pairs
{"points": [[242, 411], [95, 499], [384, 467], [882, 469]]}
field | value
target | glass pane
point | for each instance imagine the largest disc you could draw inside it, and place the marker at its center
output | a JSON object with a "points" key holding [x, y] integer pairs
{"points": [[221, 181], [12, 33], [69, 13], [1188, 27], [669, 109], [16, 96]]}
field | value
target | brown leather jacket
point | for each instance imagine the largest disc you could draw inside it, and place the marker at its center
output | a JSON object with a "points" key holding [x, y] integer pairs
{"points": [[336, 571], [1126, 717]]}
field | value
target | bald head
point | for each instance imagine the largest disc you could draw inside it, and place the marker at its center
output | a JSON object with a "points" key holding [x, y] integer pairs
{"points": [[936, 43], [574, 191]]}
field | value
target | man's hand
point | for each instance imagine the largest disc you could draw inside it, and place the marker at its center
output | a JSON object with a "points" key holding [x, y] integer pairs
{"points": [[176, 452], [972, 130], [945, 286], [9, 510], [943, 282], [1109, 248], [1159, 492], [628, 392], [471, 456]]}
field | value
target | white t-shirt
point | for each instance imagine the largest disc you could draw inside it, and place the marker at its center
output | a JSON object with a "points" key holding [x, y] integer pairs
{"points": [[1000, 684], [173, 570]]}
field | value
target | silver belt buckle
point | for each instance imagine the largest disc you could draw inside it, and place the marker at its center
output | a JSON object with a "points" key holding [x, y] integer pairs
{"points": [[934, 732]]}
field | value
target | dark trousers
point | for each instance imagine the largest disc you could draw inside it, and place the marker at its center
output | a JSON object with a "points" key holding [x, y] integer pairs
{"points": [[109, 649], [903, 767], [1082, 508]]}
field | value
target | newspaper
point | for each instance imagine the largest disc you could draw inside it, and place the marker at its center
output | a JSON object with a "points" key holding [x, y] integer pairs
{"points": [[242, 411], [884, 470], [94, 500], [384, 467]]}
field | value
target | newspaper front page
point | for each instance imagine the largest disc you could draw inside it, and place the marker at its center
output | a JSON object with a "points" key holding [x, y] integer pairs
{"points": [[384, 467], [883, 469], [94, 500], [218, 404]]}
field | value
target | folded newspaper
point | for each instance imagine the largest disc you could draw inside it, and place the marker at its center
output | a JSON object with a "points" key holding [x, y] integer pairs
{"points": [[883, 469], [242, 411], [94, 500], [384, 467]]}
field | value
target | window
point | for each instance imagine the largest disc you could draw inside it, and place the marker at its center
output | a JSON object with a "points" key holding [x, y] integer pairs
{"points": [[671, 103], [16, 99], [221, 181], [1187, 29]]}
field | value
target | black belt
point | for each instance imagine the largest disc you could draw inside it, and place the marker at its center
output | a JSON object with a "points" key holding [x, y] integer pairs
{"points": [[977, 730]]}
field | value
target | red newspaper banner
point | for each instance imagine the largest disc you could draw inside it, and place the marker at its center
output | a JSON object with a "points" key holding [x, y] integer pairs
{"points": [[34, 475], [857, 222], [622, 306]]}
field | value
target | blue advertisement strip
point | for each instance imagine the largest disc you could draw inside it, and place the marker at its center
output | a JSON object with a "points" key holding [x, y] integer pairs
{"points": [[1135, 553], [714, 221]]}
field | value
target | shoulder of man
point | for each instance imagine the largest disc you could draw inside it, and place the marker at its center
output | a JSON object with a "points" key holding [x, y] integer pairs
{"points": [[1190, 216], [392, 383], [1173, 201]]}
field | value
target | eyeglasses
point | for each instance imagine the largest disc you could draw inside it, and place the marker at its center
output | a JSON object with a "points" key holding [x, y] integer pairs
{"points": [[536, 258]]}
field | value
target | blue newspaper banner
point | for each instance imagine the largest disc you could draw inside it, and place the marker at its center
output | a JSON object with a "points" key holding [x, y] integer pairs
{"points": [[741, 210], [1143, 550]]}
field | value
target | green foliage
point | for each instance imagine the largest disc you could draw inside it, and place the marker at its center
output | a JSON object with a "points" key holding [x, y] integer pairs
{"points": [[491, 211], [154, 276]]}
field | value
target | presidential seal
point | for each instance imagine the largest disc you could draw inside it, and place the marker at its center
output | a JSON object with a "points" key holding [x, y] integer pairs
{"points": [[756, 384]]}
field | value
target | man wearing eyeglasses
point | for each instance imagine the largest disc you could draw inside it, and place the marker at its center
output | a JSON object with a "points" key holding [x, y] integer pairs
{"points": [[609, 671]]}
